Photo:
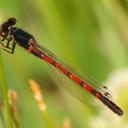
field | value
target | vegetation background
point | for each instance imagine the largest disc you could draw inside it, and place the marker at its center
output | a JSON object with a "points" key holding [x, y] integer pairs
{"points": [[91, 36]]}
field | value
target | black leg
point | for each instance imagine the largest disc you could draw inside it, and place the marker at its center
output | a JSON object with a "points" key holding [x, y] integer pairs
{"points": [[7, 50], [2, 44], [4, 38], [13, 47], [8, 42]]}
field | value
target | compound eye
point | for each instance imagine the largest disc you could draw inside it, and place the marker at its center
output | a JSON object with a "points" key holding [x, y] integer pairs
{"points": [[12, 21]]}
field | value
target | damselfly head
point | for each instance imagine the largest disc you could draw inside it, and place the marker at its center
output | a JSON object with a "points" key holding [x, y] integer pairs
{"points": [[4, 28], [11, 21]]}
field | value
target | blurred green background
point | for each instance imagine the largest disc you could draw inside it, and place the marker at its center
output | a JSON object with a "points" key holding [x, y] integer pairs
{"points": [[91, 36]]}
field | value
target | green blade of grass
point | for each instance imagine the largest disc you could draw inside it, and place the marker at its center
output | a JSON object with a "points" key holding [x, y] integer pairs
{"points": [[4, 94]]}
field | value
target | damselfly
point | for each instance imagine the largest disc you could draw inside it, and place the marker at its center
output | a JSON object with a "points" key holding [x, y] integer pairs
{"points": [[11, 35]]}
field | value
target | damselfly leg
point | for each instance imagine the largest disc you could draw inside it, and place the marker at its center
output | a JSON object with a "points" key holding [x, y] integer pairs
{"points": [[9, 46]]}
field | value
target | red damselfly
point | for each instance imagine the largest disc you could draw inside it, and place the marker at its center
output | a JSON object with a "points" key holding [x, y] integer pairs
{"points": [[10, 34]]}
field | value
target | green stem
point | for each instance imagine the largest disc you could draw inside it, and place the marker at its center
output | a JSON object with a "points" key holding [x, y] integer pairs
{"points": [[3, 124], [4, 94], [47, 119]]}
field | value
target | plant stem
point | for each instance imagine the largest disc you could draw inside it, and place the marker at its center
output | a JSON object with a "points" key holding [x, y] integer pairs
{"points": [[4, 94], [3, 124], [47, 119]]}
